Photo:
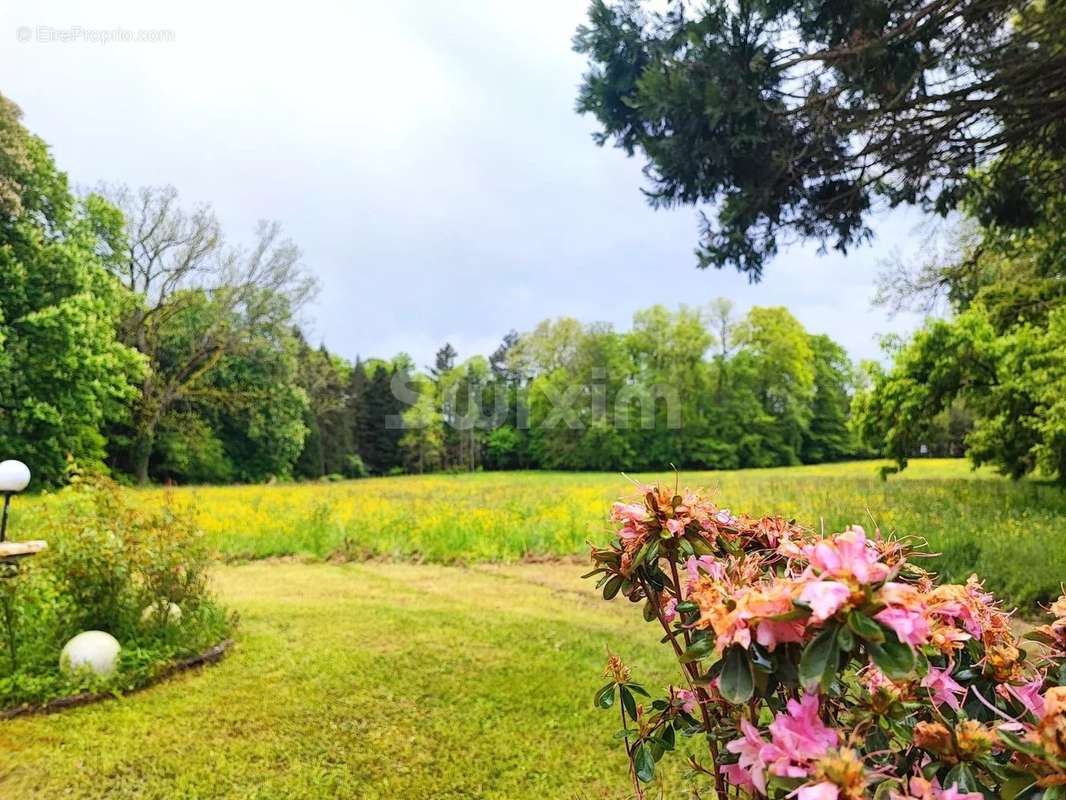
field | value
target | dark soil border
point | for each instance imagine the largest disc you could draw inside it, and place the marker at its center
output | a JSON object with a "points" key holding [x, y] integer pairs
{"points": [[212, 655]]}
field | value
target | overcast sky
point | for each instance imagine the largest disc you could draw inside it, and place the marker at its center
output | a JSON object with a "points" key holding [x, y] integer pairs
{"points": [[425, 156]]}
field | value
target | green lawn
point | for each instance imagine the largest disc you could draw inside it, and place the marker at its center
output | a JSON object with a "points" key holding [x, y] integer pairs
{"points": [[368, 681]]}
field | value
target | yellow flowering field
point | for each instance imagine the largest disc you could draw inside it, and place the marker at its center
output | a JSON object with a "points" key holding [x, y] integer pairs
{"points": [[1010, 532]]}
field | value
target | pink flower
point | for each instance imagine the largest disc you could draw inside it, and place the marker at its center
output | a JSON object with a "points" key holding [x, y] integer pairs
{"points": [[953, 610], [1028, 694], [724, 517], [953, 793], [632, 516], [825, 598], [629, 512], [943, 687], [706, 563], [670, 610], [817, 791], [738, 776], [797, 736], [921, 789], [688, 700], [848, 555], [675, 526], [771, 633], [750, 769], [910, 625]]}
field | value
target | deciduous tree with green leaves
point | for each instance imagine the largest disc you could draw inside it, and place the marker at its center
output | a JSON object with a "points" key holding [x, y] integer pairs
{"points": [[63, 373], [176, 262]]}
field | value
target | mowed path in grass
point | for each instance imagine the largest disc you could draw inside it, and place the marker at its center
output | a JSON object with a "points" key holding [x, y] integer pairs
{"points": [[365, 681]]}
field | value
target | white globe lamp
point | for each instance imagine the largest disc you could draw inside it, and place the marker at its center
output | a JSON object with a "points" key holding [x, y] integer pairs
{"points": [[167, 614], [93, 649], [14, 476]]}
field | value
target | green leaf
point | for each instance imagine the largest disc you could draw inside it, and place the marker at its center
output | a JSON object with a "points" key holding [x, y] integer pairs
{"points": [[798, 612], [644, 763], [865, 628], [892, 657], [636, 688], [1020, 745], [819, 661], [648, 611], [962, 778], [653, 553], [668, 738], [686, 607], [787, 667], [845, 640], [760, 658], [884, 788], [700, 546], [1013, 787], [629, 703], [1039, 636], [604, 697], [736, 682], [701, 648], [612, 586]]}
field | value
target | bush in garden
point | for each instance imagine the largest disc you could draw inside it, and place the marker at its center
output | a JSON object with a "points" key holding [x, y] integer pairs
{"points": [[114, 567], [827, 667]]}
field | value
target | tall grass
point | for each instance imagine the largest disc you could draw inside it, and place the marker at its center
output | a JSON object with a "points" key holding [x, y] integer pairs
{"points": [[1013, 534]]}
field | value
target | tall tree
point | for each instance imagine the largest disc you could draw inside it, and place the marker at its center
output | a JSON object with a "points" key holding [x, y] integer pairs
{"points": [[251, 400], [828, 437], [792, 118], [669, 350], [174, 258], [777, 351], [423, 436], [63, 374], [329, 446], [998, 356], [380, 416]]}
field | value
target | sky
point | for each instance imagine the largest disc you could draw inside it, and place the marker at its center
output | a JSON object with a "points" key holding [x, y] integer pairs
{"points": [[425, 156]]}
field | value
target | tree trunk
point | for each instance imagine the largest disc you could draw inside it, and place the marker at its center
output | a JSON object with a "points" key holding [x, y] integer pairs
{"points": [[143, 442]]}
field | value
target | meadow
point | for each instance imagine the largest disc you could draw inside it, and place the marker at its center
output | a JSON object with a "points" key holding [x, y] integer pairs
{"points": [[1012, 533], [348, 679]]}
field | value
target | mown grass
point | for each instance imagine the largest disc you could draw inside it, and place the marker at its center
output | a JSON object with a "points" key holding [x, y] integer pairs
{"points": [[1013, 534], [366, 681]]}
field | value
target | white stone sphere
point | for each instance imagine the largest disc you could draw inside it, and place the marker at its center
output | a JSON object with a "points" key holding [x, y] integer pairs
{"points": [[14, 476], [93, 649], [152, 613]]}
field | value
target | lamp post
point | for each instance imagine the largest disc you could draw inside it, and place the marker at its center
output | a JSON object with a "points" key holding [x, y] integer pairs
{"points": [[14, 477]]}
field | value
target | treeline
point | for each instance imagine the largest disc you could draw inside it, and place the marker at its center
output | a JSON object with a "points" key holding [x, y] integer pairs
{"points": [[135, 336], [694, 388]]}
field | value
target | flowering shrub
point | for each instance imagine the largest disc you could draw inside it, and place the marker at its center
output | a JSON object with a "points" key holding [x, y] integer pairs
{"points": [[828, 667], [109, 566]]}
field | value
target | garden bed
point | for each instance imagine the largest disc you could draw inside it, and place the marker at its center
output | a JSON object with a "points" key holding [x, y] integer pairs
{"points": [[210, 656]]}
